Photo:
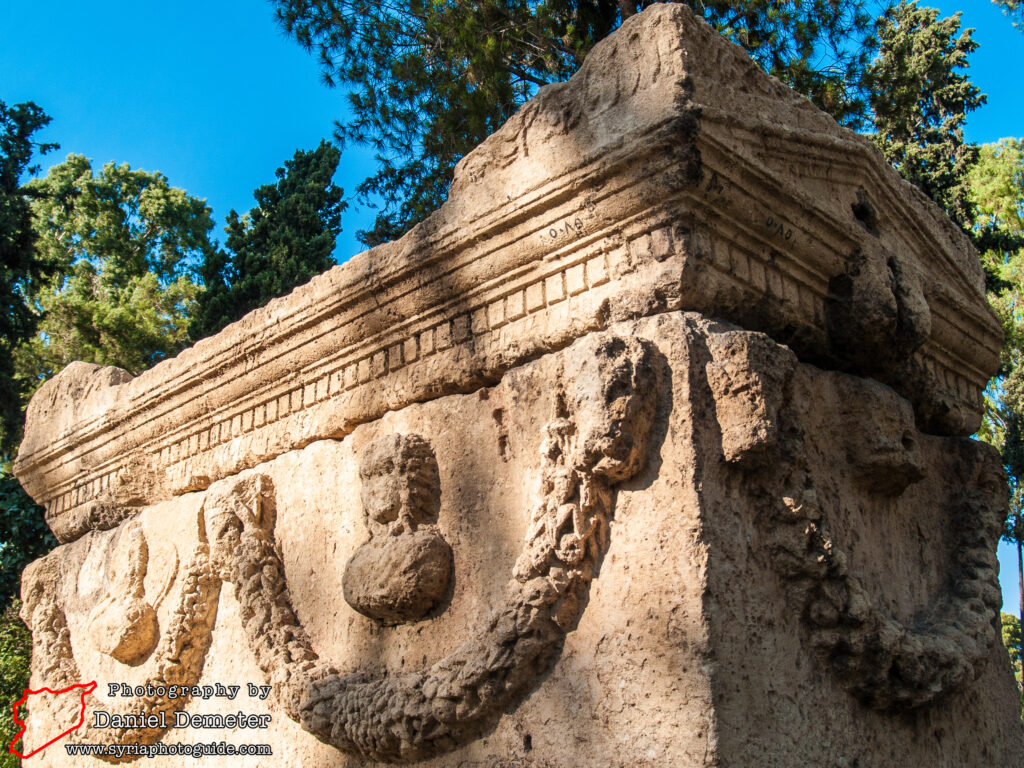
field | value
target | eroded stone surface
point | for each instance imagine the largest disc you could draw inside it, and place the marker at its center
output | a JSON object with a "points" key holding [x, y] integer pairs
{"points": [[405, 569], [488, 496], [589, 620], [669, 173], [402, 578], [123, 622]]}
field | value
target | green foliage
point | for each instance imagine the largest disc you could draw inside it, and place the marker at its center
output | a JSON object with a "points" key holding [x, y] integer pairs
{"points": [[920, 103], [284, 241], [996, 189], [1015, 10], [996, 186], [1012, 643], [430, 79], [126, 245], [15, 654], [20, 266], [24, 535], [1011, 640]]}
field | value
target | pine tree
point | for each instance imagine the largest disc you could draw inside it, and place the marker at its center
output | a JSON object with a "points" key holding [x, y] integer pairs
{"points": [[431, 80], [15, 657], [284, 241], [20, 264], [125, 246], [996, 185], [1015, 10], [1012, 644], [920, 100], [23, 534]]}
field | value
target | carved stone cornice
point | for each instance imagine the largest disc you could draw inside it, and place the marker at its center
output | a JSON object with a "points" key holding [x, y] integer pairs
{"points": [[669, 173]]}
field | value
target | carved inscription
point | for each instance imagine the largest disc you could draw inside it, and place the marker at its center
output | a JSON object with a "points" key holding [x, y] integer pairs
{"points": [[778, 228], [567, 228]]}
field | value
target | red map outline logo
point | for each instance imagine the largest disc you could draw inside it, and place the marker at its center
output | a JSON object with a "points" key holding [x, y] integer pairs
{"points": [[87, 688]]}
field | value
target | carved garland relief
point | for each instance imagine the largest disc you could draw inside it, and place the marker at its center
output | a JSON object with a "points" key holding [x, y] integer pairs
{"points": [[670, 175], [596, 439], [885, 663]]}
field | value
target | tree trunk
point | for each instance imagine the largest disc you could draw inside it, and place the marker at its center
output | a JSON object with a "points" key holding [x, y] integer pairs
{"points": [[1020, 592]]}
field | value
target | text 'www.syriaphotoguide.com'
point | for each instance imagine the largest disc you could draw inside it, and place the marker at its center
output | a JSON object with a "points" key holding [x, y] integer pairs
{"points": [[160, 750]]}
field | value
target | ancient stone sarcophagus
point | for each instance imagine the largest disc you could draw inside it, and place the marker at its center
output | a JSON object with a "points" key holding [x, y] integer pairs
{"points": [[650, 447]]}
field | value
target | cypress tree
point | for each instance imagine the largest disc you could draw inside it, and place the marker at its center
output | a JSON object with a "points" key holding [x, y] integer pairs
{"points": [[284, 241]]}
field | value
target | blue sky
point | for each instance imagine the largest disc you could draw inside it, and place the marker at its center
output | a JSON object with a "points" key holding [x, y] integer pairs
{"points": [[216, 97], [996, 68], [211, 94]]}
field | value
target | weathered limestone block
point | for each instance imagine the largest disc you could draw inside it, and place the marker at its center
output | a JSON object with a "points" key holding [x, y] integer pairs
{"points": [[668, 173], [649, 448]]}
